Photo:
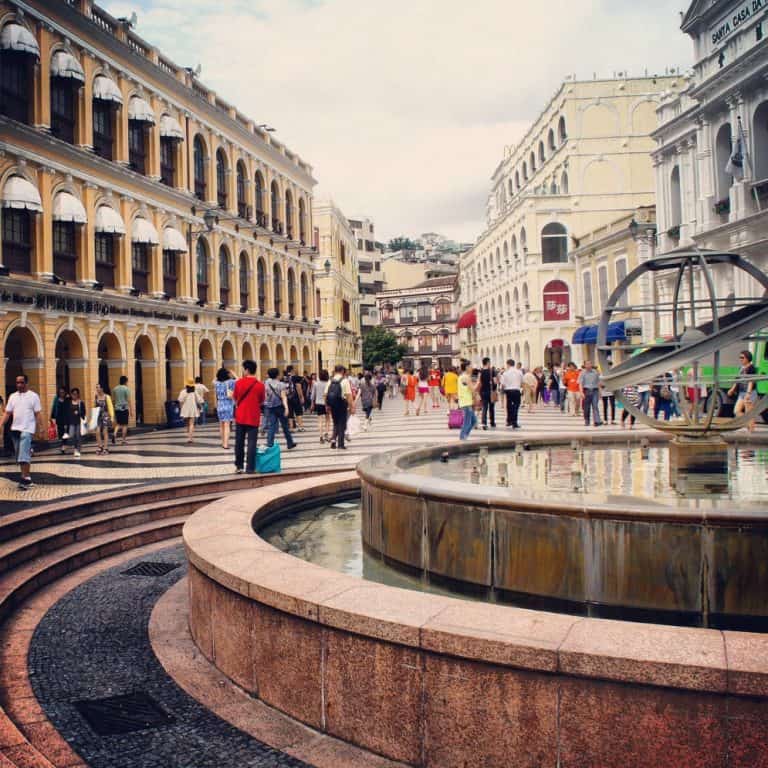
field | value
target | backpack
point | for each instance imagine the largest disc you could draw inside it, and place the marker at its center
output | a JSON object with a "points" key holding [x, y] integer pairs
{"points": [[333, 397], [291, 387]]}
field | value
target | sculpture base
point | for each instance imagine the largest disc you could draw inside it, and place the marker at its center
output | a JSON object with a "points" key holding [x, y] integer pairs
{"points": [[698, 467]]}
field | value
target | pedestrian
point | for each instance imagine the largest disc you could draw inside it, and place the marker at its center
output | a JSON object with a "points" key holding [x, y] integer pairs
{"points": [[340, 400], [318, 402], [247, 397], [662, 397], [368, 396], [530, 382], [276, 409], [223, 389], [609, 402], [381, 388], [422, 388], [202, 392], [121, 398], [294, 393], [467, 389], [573, 394], [744, 387], [561, 391], [450, 384], [489, 393], [589, 387], [408, 384], [104, 419], [60, 415], [191, 404], [76, 417], [511, 384], [629, 395], [434, 386], [23, 411]]}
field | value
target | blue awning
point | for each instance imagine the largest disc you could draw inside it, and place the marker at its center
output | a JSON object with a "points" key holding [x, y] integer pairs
{"points": [[590, 337], [580, 333], [616, 332]]}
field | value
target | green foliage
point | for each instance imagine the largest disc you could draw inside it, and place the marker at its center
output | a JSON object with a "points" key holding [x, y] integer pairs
{"points": [[402, 244], [381, 346]]}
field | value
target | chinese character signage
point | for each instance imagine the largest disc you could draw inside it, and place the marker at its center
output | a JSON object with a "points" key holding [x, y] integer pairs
{"points": [[557, 303]]}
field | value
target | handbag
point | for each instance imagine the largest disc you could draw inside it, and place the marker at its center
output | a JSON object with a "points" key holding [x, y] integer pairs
{"points": [[83, 427], [353, 425], [93, 419], [268, 459], [494, 396], [455, 419], [52, 431]]}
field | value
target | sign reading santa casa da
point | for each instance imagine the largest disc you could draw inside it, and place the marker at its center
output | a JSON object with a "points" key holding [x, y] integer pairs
{"points": [[734, 19]]}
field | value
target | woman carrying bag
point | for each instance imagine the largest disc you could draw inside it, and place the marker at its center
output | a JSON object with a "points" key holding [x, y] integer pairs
{"points": [[104, 420], [76, 421], [191, 403]]}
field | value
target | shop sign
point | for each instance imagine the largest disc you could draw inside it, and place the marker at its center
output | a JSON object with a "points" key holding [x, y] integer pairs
{"points": [[728, 24], [557, 302]]}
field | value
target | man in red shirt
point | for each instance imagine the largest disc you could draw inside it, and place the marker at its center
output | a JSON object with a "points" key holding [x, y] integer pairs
{"points": [[249, 397]]}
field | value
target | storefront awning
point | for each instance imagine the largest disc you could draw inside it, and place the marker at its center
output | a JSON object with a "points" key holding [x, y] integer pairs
{"points": [[15, 37], [144, 232], [468, 319], [105, 89], [616, 331], [139, 109], [170, 128], [66, 207], [173, 240], [109, 221], [579, 333], [66, 66], [590, 335], [21, 194]]}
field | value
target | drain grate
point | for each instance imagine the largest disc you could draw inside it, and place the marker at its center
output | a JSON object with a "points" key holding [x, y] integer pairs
{"points": [[123, 714], [148, 568]]}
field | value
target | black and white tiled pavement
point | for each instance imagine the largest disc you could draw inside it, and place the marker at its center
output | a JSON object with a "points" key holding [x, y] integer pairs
{"points": [[164, 455]]}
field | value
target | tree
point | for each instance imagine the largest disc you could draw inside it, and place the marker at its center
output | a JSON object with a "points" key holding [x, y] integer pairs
{"points": [[402, 244], [381, 346]]}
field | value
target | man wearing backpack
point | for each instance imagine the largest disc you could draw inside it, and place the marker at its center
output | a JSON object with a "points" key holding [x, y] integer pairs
{"points": [[248, 395], [295, 396], [338, 397], [276, 409]]}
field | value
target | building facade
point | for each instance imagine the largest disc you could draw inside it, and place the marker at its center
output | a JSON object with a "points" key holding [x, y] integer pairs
{"points": [[583, 163], [372, 281], [338, 297], [148, 227], [423, 318], [711, 156]]}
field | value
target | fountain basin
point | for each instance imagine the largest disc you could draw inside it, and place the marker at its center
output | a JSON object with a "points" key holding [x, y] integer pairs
{"points": [[694, 559]]}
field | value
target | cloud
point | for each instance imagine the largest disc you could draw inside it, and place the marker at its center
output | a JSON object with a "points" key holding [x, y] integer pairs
{"points": [[403, 108]]}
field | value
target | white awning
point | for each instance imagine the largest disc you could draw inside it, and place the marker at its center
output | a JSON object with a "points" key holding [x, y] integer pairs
{"points": [[15, 37], [65, 65], [105, 89], [109, 221], [66, 207], [139, 109], [173, 240], [144, 232], [170, 128], [20, 193]]}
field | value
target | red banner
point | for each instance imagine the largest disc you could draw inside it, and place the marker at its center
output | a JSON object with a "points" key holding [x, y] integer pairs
{"points": [[557, 302]]}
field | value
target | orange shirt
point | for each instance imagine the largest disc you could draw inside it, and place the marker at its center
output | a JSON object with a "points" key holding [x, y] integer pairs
{"points": [[571, 379], [410, 387]]}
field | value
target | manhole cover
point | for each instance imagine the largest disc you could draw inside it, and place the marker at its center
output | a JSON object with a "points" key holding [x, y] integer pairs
{"points": [[123, 714], [148, 568]]}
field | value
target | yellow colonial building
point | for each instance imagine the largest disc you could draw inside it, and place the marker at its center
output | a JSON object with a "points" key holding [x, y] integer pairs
{"points": [[584, 163], [148, 227], [337, 280]]}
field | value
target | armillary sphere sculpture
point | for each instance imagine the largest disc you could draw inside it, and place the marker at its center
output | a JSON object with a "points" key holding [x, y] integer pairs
{"points": [[705, 330]]}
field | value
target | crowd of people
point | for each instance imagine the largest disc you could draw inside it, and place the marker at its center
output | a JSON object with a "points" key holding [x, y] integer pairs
{"points": [[469, 395]]}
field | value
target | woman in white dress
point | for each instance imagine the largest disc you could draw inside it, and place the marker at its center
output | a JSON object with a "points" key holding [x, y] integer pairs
{"points": [[190, 402]]}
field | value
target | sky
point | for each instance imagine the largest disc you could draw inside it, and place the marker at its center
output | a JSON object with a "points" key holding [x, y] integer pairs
{"points": [[404, 107]]}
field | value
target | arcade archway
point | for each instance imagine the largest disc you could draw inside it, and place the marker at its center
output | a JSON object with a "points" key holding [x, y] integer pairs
{"points": [[71, 363], [22, 356], [145, 382], [174, 368], [111, 362]]}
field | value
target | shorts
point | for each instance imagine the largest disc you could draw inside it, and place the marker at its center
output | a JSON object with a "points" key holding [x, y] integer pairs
{"points": [[22, 445], [121, 417], [750, 397], [320, 410], [423, 390], [295, 408]]}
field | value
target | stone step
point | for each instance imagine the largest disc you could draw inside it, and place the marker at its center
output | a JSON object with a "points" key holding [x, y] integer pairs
{"points": [[22, 581], [23, 756], [38, 542]]}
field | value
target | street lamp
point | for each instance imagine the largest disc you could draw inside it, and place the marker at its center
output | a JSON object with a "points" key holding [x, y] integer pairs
{"points": [[327, 266]]}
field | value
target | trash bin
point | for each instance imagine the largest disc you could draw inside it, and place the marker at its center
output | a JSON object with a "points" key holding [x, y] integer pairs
{"points": [[173, 413]]}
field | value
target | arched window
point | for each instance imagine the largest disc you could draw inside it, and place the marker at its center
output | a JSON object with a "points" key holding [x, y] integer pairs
{"points": [[525, 171], [277, 226], [760, 140], [564, 183], [561, 132], [517, 179], [224, 275], [261, 284], [425, 342], [554, 244], [513, 247], [506, 253], [511, 187], [140, 122], [242, 204], [523, 241], [243, 275], [221, 178], [526, 304], [551, 140], [289, 214], [542, 156], [201, 188], [202, 269], [169, 143], [16, 73], [304, 288], [722, 156], [67, 78], [291, 293], [532, 160], [516, 301], [675, 201], [258, 183], [302, 221], [106, 101], [277, 284]]}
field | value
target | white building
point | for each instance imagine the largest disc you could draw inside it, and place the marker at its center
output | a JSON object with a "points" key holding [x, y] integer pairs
{"points": [[701, 200], [371, 277]]}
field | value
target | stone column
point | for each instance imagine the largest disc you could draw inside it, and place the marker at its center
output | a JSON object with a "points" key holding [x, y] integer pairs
{"points": [[153, 140], [87, 261], [124, 268], [156, 258], [85, 104], [43, 253], [41, 117], [121, 123], [704, 155]]}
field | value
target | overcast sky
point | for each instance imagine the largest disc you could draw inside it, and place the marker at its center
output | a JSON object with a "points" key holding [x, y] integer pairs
{"points": [[403, 107]]}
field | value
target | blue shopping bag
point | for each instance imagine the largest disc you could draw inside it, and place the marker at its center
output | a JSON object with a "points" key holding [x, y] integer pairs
{"points": [[268, 459]]}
